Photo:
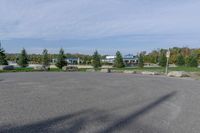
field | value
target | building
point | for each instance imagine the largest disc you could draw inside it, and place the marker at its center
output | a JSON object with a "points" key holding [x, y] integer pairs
{"points": [[70, 61], [109, 59], [129, 60], [73, 61]]}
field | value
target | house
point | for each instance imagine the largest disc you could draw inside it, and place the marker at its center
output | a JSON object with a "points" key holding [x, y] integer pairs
{"points": [[109, 59], [73, 61], [70, 61], [129, 59]]}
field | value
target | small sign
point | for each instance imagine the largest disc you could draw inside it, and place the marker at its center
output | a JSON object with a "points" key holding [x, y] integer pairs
{"points": [[168, 54]]}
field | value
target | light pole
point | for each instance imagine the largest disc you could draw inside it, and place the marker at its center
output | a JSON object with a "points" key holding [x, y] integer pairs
{"points": [[167, 64]]}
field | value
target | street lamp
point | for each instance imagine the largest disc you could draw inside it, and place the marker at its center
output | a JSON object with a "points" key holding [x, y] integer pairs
{"points": [[167, 64]]}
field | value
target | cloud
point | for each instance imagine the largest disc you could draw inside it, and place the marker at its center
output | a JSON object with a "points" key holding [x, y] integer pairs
{"points": [[89, 19]]}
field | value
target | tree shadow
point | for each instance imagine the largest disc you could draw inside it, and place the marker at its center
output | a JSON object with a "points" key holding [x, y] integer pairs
{"points": [[76, 122], [123, 122], [42, 126]]}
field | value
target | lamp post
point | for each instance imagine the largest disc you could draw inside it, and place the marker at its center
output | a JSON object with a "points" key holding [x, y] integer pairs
{"points": [[167, 64]]}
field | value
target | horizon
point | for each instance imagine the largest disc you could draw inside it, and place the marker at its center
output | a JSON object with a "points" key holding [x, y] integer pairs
{"points": [[83, 26]]}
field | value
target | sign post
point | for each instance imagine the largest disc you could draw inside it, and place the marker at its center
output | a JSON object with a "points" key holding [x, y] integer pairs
{"points": [[167, 64]]}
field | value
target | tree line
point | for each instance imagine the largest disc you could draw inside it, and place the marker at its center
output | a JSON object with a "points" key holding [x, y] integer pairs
{"points": [[179, 56]]}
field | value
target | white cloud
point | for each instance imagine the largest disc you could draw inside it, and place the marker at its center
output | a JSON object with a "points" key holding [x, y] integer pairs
{"points": [[89, 19]]}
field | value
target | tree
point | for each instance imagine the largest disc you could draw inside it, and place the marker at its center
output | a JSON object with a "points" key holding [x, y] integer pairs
{"points": [[45, 59], [118, 63], [96, 60], [61, 59], [23, 59], [180, 61], [162, 60], [3, 60], [192, 61], [141, 60]]}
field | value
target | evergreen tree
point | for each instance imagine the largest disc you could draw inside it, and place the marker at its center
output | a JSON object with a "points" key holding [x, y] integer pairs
{"points": [[3, 60], [180, 61], [141, 60], [61, 59], [45, 59], [192, 61], [96, 60], [162, 60], [23, 59], [118, 63]]}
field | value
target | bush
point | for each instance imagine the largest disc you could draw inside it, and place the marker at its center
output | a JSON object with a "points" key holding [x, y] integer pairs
{"points": [[180, 61], [162, 60], [192, 61], [141, 61]]}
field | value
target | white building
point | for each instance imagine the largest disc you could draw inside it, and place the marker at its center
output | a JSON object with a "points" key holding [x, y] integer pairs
{"points": [[109, 59], [129, 60]]}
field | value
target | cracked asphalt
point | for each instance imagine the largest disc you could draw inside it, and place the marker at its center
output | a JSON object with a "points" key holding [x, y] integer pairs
{"points": [[58, 102]]}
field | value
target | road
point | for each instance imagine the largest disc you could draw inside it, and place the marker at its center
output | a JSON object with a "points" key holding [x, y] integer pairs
{"points": [[51, 102]]}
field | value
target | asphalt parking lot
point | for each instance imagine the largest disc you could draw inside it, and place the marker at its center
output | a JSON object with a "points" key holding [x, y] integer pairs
{"points": [[97, 103]]}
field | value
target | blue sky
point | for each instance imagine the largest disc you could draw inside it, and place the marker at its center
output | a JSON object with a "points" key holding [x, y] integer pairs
{"points": [[81, 26]]}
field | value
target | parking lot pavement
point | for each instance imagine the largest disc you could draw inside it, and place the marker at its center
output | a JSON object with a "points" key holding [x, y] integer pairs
{"points": [[56, 102]]}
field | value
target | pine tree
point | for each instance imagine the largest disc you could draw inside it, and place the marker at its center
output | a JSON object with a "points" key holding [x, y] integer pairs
{"points": [[96, 60], [118, 63], [3, 60], [141, 60], [61, 59], [162, 60], [180, 61], [45, 59], [23, 59]]}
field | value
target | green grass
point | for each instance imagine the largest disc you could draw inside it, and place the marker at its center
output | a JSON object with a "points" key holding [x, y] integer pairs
{"points": [[187, 69], [32, 70], [152, 69], [161, 69], [19, 70]]}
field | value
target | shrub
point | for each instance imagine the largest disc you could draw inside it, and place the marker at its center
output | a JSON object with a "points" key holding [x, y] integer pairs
{"points": [[162, 60], [192, 61], [180, 61], [141, 61]]}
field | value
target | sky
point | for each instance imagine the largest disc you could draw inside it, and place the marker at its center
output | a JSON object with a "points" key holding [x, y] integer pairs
{"points": [[82, 26]]}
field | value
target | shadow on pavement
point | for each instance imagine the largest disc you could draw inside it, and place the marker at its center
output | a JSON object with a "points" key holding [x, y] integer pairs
{"points": [[85, 120], [121, 123]]}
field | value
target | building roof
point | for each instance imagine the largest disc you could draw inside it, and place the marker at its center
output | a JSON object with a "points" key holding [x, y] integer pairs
{"points": [[130, 56]]}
